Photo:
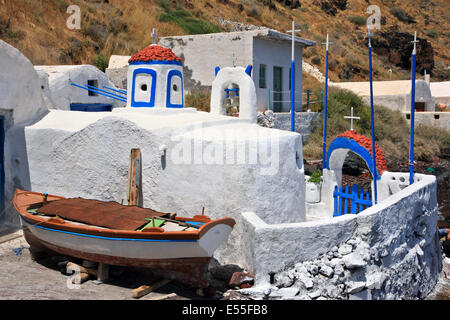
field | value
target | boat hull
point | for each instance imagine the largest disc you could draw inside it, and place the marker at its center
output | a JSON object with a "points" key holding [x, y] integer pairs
{"points": [[182, 255]]}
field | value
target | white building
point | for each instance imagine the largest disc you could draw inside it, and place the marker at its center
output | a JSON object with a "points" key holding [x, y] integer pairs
{"points": [[395, 95], [60, 93], [441, 92], [266, 50]]}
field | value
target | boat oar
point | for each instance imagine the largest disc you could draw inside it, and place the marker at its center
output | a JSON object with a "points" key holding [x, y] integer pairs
{"points": [[181, 223]]}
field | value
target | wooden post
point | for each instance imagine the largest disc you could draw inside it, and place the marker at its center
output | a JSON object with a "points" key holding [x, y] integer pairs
{"points": [[135, 179]]}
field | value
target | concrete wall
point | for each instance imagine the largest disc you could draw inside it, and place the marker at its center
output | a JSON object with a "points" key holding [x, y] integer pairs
{"points": [[305, 122], [62, 93], [202, 53], [388, 251], [21, 102], [432, 119], [118, 76], [87, 154]]}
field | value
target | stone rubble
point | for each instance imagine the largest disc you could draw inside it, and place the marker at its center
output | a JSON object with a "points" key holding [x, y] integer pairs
{"points": [[357, 275]]}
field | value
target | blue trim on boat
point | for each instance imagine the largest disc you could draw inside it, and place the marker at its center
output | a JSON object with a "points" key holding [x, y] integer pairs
{"points": [[108, 238]]}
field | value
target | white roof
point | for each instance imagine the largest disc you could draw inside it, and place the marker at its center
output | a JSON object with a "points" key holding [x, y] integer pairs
{"points": [[440, 89], [380, 88]]}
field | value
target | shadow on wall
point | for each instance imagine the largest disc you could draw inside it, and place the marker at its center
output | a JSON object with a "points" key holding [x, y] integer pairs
{"points": [[16, 169]]}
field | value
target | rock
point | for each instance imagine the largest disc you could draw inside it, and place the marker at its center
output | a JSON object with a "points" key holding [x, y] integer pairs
{"points": [[339, 270], [283, 280], [375, 280], [315, 294], [300, 268], [239, 278], [353, 261], [306, 281], [345, 249], [355, 286], [334, 249], [225, 272], [397, 47], [284, 293], [326, 271], [335, 261], [313, 269], [362, 295]]}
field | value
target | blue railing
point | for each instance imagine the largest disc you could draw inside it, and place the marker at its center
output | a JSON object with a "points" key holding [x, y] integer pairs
{"points": [[354, 200]]}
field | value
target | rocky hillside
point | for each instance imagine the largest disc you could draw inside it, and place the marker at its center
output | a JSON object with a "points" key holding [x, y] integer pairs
{"points": [[38, 28]]}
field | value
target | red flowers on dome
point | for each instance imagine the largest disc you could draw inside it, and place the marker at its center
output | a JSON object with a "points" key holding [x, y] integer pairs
{"points": [[154, 53]]}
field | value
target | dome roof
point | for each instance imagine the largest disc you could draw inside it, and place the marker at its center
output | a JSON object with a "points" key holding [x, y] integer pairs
{"points": [[154, 54]]}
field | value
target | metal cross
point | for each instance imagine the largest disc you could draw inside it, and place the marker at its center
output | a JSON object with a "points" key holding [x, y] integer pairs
{"points": [[369, 35], [415, 41], [327, 42], [293, 30], [351, 117], [154, 35]]}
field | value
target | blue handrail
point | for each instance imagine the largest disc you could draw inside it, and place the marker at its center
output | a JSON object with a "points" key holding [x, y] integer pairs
{"points": [[116, 90], [110, 95]]}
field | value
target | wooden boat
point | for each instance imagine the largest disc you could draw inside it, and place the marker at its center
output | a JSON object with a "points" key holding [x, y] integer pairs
{"points": [[114, 234]]}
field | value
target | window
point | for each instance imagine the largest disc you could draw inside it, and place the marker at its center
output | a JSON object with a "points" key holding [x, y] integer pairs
{"points": [[277, 88], [92, 83], [262, 76], [290, 70]]}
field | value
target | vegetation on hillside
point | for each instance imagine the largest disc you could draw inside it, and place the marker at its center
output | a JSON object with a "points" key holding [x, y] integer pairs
{"points": [[38, 28], [392, 131]]}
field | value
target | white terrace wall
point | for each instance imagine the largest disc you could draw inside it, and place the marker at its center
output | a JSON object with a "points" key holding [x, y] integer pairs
{"points": [[21, 103], [389, 251]]}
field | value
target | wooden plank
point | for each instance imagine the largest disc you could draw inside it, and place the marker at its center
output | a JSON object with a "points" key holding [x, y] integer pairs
{"points": [[71, 266], [340, 201], [135, 178], [144, 290], [164, 297]]}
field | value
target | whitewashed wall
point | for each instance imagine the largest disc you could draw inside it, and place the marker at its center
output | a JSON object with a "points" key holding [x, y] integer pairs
{"points": [[87, 155], [389, 251]]}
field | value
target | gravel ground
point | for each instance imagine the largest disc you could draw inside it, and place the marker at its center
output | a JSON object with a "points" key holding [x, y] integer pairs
{"points": [[21, 277]]}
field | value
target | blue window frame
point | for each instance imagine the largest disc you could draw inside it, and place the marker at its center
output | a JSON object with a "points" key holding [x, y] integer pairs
{"points": [[174, 73], [151, 103]]}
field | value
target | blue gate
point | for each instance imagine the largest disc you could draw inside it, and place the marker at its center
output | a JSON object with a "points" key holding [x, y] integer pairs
{"points": [[345, 201]]}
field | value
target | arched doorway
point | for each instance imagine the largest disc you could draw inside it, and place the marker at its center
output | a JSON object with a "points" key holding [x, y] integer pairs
{"points": [[230, 79], [352, 198]]}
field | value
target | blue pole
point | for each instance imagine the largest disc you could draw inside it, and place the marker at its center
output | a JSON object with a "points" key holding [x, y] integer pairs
{"points": [[413, 98], [292, 95], [325, 112], [374, 165]]}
